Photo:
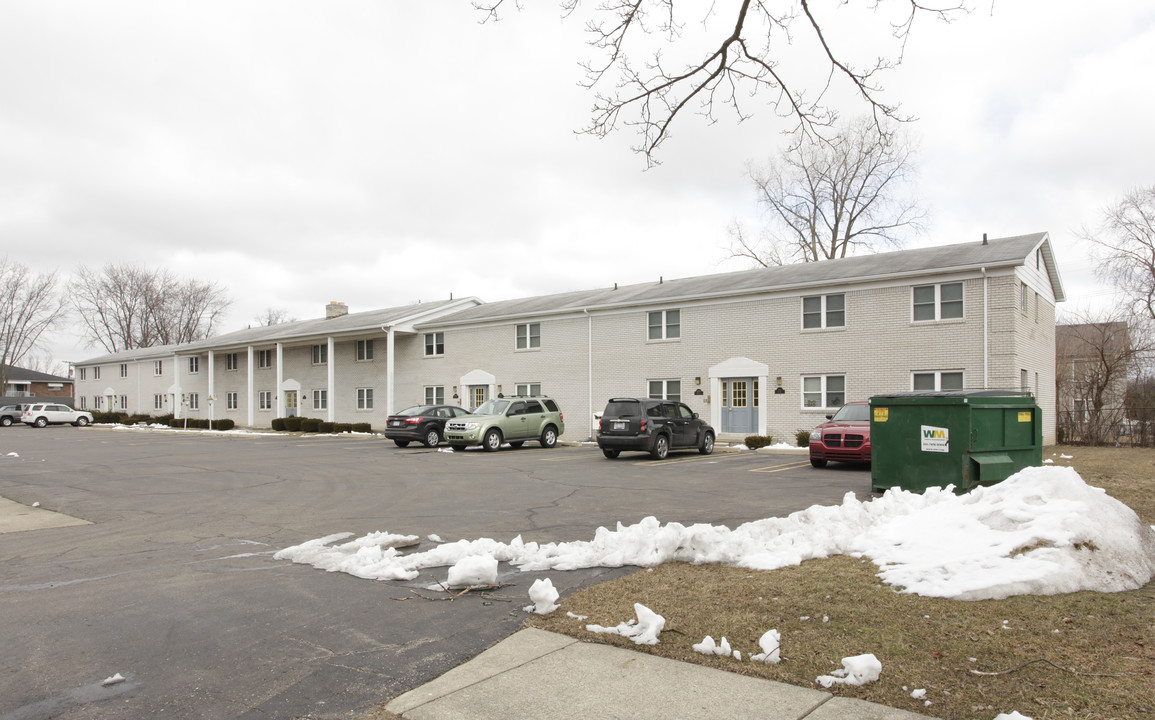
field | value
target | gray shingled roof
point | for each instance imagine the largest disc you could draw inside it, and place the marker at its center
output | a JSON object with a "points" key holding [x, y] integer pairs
{"points": [[19, 374], [298, 329], [863, 268]]}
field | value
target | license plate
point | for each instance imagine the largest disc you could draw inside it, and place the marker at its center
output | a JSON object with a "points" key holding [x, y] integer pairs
{"points": [[621, 425], [395, 423]]}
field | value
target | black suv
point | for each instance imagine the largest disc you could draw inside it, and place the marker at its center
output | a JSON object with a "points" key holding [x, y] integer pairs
{"points": [[653, 426]]}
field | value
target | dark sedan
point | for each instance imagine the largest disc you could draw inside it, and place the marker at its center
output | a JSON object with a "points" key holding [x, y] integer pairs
{"points": [[421, 423]]}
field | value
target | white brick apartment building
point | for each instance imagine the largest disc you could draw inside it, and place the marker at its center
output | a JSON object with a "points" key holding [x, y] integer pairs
{"points": [[766, 351]]}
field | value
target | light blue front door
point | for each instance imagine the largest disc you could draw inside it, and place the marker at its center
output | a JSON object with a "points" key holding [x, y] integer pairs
{"points": [[738, 414]]}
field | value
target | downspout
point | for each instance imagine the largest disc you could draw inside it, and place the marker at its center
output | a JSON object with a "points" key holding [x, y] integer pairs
{"points": [[280, 379], [986, 330], [590, 368], [330, 380], [251, 386]]}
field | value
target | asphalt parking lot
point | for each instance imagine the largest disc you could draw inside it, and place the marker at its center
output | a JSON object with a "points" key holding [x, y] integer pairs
{"points": [[173, 584]]}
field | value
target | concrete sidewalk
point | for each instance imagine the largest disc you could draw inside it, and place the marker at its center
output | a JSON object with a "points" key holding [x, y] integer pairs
{"points": [[535, 674], [15, 517]]}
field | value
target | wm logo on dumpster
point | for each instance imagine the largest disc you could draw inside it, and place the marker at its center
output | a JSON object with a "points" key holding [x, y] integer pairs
{"points": [[935, 439]]}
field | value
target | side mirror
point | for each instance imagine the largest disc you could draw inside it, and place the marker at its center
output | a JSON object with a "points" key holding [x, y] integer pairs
{"points": [[695, 416], [829, 417]]}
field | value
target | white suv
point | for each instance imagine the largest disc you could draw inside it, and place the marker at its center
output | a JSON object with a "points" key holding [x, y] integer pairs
{"points": [[54, 414]]}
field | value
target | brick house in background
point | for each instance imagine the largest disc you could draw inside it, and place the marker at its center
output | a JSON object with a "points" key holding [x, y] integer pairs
{"points": [[766, 351], [20, 385]]}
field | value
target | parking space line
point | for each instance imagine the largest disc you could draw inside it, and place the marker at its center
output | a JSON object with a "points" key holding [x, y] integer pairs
{"points": [[779, 468]]}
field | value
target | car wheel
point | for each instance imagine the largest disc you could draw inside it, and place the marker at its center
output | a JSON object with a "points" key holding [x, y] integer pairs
{"points": [[432, 438], [5, 421], [611, 454], [817, 463], [81, 421], [457, 448], [707, 445], [492, 440], [661, 448], [41, 422], [549, 437], [401, 443]]}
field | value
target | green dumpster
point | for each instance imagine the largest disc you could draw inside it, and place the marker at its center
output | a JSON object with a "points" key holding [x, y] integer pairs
{"points": [[965, 437]]}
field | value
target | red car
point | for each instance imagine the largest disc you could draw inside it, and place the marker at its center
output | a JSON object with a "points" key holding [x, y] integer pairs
{"points": [[845, 436]]}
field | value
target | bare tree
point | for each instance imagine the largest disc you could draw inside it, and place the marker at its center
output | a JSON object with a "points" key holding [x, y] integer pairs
{"points": [[737, 50], [274, 316], [825, 199], [1126, 247], [29, 307], [125, 306], [1095, 357]]}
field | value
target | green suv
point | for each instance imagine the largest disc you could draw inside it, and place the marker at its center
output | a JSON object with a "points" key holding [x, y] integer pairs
{"points": [[510, 420]]}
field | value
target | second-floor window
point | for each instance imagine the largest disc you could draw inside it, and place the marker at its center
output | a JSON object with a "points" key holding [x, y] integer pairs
{"points": [[264, 358], [96, 373], [823, 311], [231, 361], [664, 325], [434, 344], [528, 336], [83, 373], [158, 367], [124, 369], [320, 354], [194, 365], [364, 350], [937, 302]]}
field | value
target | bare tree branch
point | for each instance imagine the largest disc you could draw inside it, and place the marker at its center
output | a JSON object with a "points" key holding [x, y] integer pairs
{"points": [[742, 60], [1126, 246], [29, 307]]}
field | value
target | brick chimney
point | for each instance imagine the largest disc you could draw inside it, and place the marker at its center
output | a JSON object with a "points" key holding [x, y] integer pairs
{"points": [[336, 309]]}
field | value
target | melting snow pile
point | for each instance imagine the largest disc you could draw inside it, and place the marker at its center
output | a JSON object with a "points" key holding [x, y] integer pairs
{"points": [[473, 570], [1042, 531], [544, 597], [643, 631], [857, 670]]}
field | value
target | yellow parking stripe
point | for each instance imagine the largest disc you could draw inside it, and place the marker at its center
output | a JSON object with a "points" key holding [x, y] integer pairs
{"points": [[779, 468]]}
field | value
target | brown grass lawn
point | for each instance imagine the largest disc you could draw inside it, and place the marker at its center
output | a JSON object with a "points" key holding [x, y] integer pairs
{"points": [[1083, 655]]}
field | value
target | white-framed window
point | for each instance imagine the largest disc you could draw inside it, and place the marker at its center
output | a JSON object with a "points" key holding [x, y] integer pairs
{"points": [[665, 389], [83, 373], [529, 388], [96, 373], [194, 365], [265, 400], [264, 358], [823, 311], [364, 350], [320, 354], [528, 336], [123, 402], [1024, 381], [158, 367], [364, 398], [320, 399], [937, 380], [434, 344], [823, 391], [1023, 298], [95, 402], [231, 401], [158, 402], [124, 370], [231, 361], [937, 302], [434, 394], [194, 401], [83, 401], [664, 325]]}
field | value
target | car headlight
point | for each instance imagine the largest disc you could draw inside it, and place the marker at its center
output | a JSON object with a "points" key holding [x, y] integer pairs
{"points": [[816, 434], [471, 425]]}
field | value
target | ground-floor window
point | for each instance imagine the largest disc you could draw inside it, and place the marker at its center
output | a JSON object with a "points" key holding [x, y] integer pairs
{"points": [[265, 400], [231, 401], [529, 388], [823, 391], [364, 398], [158, 402], [194, 401], [666, 389], [320, 399], [123, 402], [83, 403], [937, 380], [435, 395]]}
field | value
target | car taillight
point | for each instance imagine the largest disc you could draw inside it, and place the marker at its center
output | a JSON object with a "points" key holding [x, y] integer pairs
{"points": [[642, 427], [561, 416], [413, 420]]}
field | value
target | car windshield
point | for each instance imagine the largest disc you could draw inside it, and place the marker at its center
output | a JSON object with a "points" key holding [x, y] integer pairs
{"points": [[492, 407], [416, 410], [853, 412]]}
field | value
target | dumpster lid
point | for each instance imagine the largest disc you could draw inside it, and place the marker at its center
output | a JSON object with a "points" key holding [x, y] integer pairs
{"points": [[955, 393]]}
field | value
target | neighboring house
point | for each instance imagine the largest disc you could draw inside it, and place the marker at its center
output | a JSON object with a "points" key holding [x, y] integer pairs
{"points": [[1092, 360], [21, 384], [765, 351]]}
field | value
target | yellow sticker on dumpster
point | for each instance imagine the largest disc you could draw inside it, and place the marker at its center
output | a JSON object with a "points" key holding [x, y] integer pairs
{"points": [[881, 414], [1025, 416]]}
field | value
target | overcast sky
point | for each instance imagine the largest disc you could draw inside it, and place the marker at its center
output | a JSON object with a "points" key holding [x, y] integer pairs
{"points": [[385, 152]]}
